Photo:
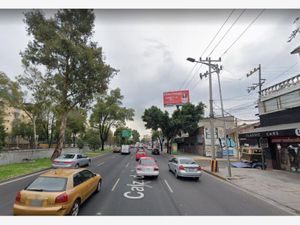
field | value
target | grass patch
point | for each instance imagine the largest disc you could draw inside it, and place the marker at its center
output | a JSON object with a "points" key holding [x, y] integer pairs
{"points": [[97, 152], [17, 169]]}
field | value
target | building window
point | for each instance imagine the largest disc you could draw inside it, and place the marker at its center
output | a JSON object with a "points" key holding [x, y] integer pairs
{"points": [[289, 100], [271, 105]]}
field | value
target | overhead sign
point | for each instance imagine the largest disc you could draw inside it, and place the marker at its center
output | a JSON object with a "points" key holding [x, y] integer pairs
{"points": [[172, 98], [126, 133]]}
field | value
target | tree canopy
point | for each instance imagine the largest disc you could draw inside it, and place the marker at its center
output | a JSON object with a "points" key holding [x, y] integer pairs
{"points": [[108, 113], [63, 59]]}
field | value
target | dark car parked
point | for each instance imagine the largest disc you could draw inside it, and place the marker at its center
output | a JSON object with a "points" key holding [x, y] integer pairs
{"points": [[155, 151]]}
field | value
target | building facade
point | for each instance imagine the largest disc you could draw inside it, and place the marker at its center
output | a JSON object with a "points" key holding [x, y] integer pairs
{"points": [[279, 133]]}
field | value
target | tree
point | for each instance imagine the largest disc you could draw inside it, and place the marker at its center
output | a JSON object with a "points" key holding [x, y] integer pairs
{"points": [[91, 138], [135, 136], [159, 136], [182, 120], [108, 113], [2, 129], [9, 90], [76, 123], [72, 64]]}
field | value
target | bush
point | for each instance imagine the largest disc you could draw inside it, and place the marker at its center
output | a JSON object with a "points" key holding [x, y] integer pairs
{"points": [[80, 143]]}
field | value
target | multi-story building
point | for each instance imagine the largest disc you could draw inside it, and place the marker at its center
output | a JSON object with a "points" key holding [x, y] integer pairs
{"points": [[200, 142], [279, 132], [11, 114]]}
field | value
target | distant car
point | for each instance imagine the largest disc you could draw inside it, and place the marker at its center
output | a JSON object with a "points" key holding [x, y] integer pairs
{"points": [[140, 153], [185, 167], [117, 150], [248, 164], [57, 192], [71, 161], [147, 167], [155, 151], [125, 149]]}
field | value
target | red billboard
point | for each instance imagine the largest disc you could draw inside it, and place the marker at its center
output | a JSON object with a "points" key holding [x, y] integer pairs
{"points": [[176, 97]]}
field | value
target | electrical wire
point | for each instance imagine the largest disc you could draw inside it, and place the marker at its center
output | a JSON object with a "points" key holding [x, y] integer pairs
{"points": [[261, 12], [227, 31], [189, 76], [212, 40]]}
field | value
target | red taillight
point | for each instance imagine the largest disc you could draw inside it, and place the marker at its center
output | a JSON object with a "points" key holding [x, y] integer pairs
{"points": [[62, 198], [199, 168], [67, 162], [181, 167], [18, 197], [156, 168]]}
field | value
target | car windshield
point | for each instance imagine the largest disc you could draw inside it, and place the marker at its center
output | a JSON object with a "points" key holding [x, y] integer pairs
{"points": [[48, 184], [187, 161], [147, 162], [67, 156], [140, 151]]}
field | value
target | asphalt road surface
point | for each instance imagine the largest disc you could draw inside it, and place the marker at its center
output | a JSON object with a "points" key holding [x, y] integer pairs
{"points": [[124, 194]]}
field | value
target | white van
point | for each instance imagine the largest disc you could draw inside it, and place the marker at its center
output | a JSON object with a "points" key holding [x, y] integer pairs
{"points": [[125, 149]]}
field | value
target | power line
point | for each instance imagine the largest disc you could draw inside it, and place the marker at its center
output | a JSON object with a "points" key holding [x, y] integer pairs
{"points": [[218, 32], [283, 72], [243, 32], [212, 40], [189, 75], [227, 31]]}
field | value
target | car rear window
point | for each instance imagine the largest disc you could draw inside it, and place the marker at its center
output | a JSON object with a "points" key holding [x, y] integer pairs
{"points": [[187, 161], [67, 156], [147, 162], [48, 184]]}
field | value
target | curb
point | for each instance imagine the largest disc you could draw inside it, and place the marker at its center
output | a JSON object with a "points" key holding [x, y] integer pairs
{"points": [[215, 174], [38, 171], [24, 175], [257, 195]]}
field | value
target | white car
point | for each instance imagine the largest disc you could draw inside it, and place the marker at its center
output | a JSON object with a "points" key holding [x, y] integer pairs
{"points": [[125, 149]]}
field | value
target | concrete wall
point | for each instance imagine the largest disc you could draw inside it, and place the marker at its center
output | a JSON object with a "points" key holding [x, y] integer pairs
{"points": [[17, 156]]}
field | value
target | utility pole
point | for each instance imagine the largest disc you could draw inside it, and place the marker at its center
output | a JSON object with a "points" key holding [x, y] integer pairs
{"points": [[224, 121], [253, 87], [208, 62], [260, 81]]}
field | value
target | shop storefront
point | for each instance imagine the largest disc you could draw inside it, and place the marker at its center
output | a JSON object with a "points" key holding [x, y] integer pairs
{"points": [[280, 145]]}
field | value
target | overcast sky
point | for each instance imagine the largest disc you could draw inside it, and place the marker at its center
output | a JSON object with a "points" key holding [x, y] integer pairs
{"points": [[150, 48]]}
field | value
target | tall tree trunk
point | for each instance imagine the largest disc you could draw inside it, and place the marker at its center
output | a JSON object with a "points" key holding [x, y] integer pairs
{"points": [[102, 145], [34, 131], [161, 144], [51, 134], [61, 137]]}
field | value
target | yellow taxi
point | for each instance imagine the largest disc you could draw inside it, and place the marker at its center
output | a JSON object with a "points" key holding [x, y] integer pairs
{"points": [[57, 192]]}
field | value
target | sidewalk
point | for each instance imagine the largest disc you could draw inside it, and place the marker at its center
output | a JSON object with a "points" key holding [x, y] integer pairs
{"points": [[281, 187]]}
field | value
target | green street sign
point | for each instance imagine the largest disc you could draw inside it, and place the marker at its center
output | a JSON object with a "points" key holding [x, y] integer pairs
{"points": [[126, 133]]}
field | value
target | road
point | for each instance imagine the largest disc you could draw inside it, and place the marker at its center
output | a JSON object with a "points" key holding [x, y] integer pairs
{"points": [[123, 194]]}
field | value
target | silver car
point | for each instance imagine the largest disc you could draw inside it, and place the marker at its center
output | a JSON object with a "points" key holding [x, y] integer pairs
{"points": [[71, 161], [185, 167]]}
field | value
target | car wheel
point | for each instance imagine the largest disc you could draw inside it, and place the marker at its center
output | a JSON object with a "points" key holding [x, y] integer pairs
{"points": [[75, 208], [77, 166], [99, 186], [155, 177], [169, 169], [196, 178], [258, 167], [176, 175], [89, 163]]}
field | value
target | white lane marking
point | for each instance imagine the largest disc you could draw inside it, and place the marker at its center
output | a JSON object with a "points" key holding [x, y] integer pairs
{"points": [[169, 186], [127, 165], [100, 164], [115, 185], [21, 178]]}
